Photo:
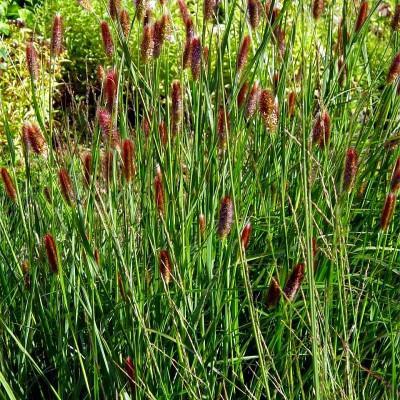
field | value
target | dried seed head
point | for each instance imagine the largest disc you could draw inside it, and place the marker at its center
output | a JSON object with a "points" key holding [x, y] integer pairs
{"points": [[177, 106], [159, 193], [125, 22], [195, 58], [274, 293], [140, 8], [322, 129], [147, 44], [51, 250], [395, 182], [33, 138], [146, 127], [241, 98], [291, 104], [163, 132], [294, 281], [165, 266], [225, 217], [362, 16], [128, 166], [189, 28], [26, 275], [56, 36], [252, 100], [159, 35], [253, 11], [202, 224], [130, 371], [187, 53], [222, 126], [31, 60], [105, 122], [8, 185], [245, 238], [107, 39], [87, 168], [114, 7], [396, 18], [66, 186], [317, 8], [243, 53], [110, 88], [388, 210], [350, 169], [394, 70], [268, 109], [209, 9]]}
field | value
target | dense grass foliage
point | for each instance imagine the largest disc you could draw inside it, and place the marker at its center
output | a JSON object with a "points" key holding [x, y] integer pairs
{"points": [[224, 224]]}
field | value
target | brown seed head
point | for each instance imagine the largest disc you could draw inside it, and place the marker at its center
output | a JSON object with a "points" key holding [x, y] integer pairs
{"points": [[245, 238], [105, 122], [125, 22], [294, 281], [388, 210], [396, 18], [107, 39], [253, 11], [291, 104], [147, 44], [202, 224], [66, 186], [163, 132], [87, 168], [107, 166], [33, 138], [165, 266], [8, 185], [241, 98], [177, 106], [159, 193], [51, 251], [31, 60], [394, 70], [160, 27], [243, 53], [274, 294], [26, 275], [111, 88], [225, 217], [56, 36], [350, 169], [209, 9], [362, 16], [317, 8], [222, 126], [395, 182], [128, 166], [322, 129], [130, 371], [268, 110], [195, 58], [114, 7], [252, 100]]}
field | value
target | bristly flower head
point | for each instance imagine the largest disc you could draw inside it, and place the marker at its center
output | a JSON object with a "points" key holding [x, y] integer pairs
{"points": [[87, 168], [125, 22], [268, 109], [362, 16], [160, 30], [350, 169], [163, 132], [291, 104], [105, 122], [202, 224], [130, 371], [243, 53], [245, 238], [241, 98], [318, 8], [110, 88], [51, 250], [252, 100], [107, 167], [395, 182], [56, 37], [394, 70], [66, 186], [31, 60], [107, 39], [33, 138], [294, 282], [8, 184], [177, 106], [274, 293], [147, 43], [165, 266], [388, 210], [209, 9], [253, 10], [114, 7], [396, 18], [128, 166], [195, 63], [159, 191], [222, 126], [321, 129], [225, 217]]}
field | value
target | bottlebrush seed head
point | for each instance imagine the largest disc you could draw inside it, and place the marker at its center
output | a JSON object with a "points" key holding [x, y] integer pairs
{"points": [[56, 37], [87, 168], [243, 53], [31, 60], [294, 282], [202, 224], [147, 44], [291, 104], [350, 169], [33, 138], [66, 186], [110, 88], [225, 217], [159, 35], [253, 11], [107, 39], [317, 8], [165, 266], [146, 128], [322, 129], [208, 9], [128, 151], [274, 294], [163, 132], [114, 7], [362, 16], [184, 11], [395, 182], [8, 185], [159, 193], [189, 28], [26, 275], [394, 70], [195, 62], [130, 371], [51, 251], [177, 106], [252, 100], [280, 36], [222, 126], [107, 166], [140, 7], [388, 210], [125, 22], [187, 53], [148, 17], [105, 122], [396, 18], [268, 110], [241, 98], [245, 238]]}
